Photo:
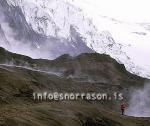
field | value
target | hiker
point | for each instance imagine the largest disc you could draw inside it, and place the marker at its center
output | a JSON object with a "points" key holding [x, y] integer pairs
{"points": [[122, 107]]}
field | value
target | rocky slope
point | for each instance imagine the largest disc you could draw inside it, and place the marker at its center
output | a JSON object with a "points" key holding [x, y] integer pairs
{"points": [[89, 66], [20, 77]]}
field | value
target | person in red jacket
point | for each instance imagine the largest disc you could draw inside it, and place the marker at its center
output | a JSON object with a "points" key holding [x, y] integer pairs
{"points": [[122, 107]]}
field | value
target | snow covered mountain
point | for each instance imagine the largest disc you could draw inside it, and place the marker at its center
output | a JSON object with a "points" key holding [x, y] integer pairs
{"points": [[49, 28]]}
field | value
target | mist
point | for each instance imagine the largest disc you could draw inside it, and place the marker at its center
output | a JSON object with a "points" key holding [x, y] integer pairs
{"points": [[24, 47], [139, 105]]}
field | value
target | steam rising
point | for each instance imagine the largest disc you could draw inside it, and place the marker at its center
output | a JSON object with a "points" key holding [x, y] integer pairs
{"points": [[22, 46], [139, 105], [9, 42]]}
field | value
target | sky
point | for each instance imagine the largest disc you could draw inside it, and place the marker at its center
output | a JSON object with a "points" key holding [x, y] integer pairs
{"points": [[126, 10]]}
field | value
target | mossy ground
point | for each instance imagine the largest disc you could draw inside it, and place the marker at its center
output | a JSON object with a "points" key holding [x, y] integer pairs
{"points": [[84, 73]]}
